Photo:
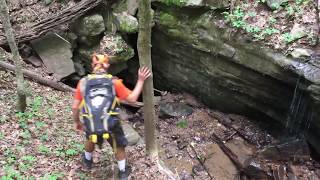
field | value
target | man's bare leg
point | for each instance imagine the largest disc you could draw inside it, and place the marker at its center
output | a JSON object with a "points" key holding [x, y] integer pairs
{"points": [[89, 148]]}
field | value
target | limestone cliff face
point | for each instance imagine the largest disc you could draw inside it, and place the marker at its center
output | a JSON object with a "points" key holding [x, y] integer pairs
{"points": [[191, 53]]}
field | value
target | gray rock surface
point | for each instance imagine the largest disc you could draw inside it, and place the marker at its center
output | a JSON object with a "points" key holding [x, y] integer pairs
{"points": [[132, 136], [174, 109], [56, 55], [127, 23], [91, 25]]}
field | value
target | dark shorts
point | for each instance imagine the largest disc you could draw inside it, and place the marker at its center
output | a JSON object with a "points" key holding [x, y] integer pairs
{"points": [[117, 136]]}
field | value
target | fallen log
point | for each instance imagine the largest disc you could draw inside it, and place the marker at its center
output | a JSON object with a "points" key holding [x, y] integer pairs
{"points": [[28, 74], [48, 24]]}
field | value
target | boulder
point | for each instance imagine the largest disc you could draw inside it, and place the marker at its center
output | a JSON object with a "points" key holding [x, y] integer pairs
{"points": [[132, 136], [56, 55], [90, 25], [174, 109], [34, 60], [126, 23]]}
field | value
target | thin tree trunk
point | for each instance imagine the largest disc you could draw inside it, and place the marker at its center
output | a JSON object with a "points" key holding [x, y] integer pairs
{"points": [[144, 51], [5, 18], [316, 4]]}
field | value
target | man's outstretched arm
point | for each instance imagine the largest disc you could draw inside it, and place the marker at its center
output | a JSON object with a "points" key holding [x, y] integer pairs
{"points": [[143, 74]]}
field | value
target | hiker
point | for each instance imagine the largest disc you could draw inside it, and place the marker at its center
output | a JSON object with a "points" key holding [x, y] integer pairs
{"points": [[81, 115]]}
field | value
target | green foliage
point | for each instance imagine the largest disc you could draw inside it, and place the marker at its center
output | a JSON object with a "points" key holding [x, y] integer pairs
{"points": [[252, 29], [43, 149], [167, 19], [235, 18], [50, 112], [290, 10], [288, 38], [270, 31], [11, 173], [1, 135], [272, 20], [302, 2], [252, 14], [40, 124], [27, 162], [26, 134], [182, 124], [72, 152], [44, 137], [52, 176]]}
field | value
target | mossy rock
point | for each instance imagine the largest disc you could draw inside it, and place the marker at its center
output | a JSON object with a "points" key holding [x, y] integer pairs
{"points": [[126, 23], [91, 25]]}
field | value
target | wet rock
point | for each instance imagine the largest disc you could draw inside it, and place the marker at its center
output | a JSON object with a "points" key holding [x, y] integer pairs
{"points": [[300, 52], [34, 60], [132, 136], [56, 55], [291, 149], [91, 25], [126, 23], [174, 109]]}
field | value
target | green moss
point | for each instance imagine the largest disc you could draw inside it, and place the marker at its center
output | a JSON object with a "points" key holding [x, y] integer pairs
{"points": [[167, 19], [128, 27]]}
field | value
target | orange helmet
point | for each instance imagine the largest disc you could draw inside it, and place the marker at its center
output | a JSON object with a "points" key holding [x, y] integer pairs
{"points": [[99, 61]]}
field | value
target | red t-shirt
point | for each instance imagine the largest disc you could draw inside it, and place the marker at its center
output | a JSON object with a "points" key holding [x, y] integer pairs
{"points": [[122, 92]]}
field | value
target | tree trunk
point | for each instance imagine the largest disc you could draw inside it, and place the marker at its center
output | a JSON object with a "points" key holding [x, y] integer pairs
{"points": [[144, 51], [5, 18]]}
